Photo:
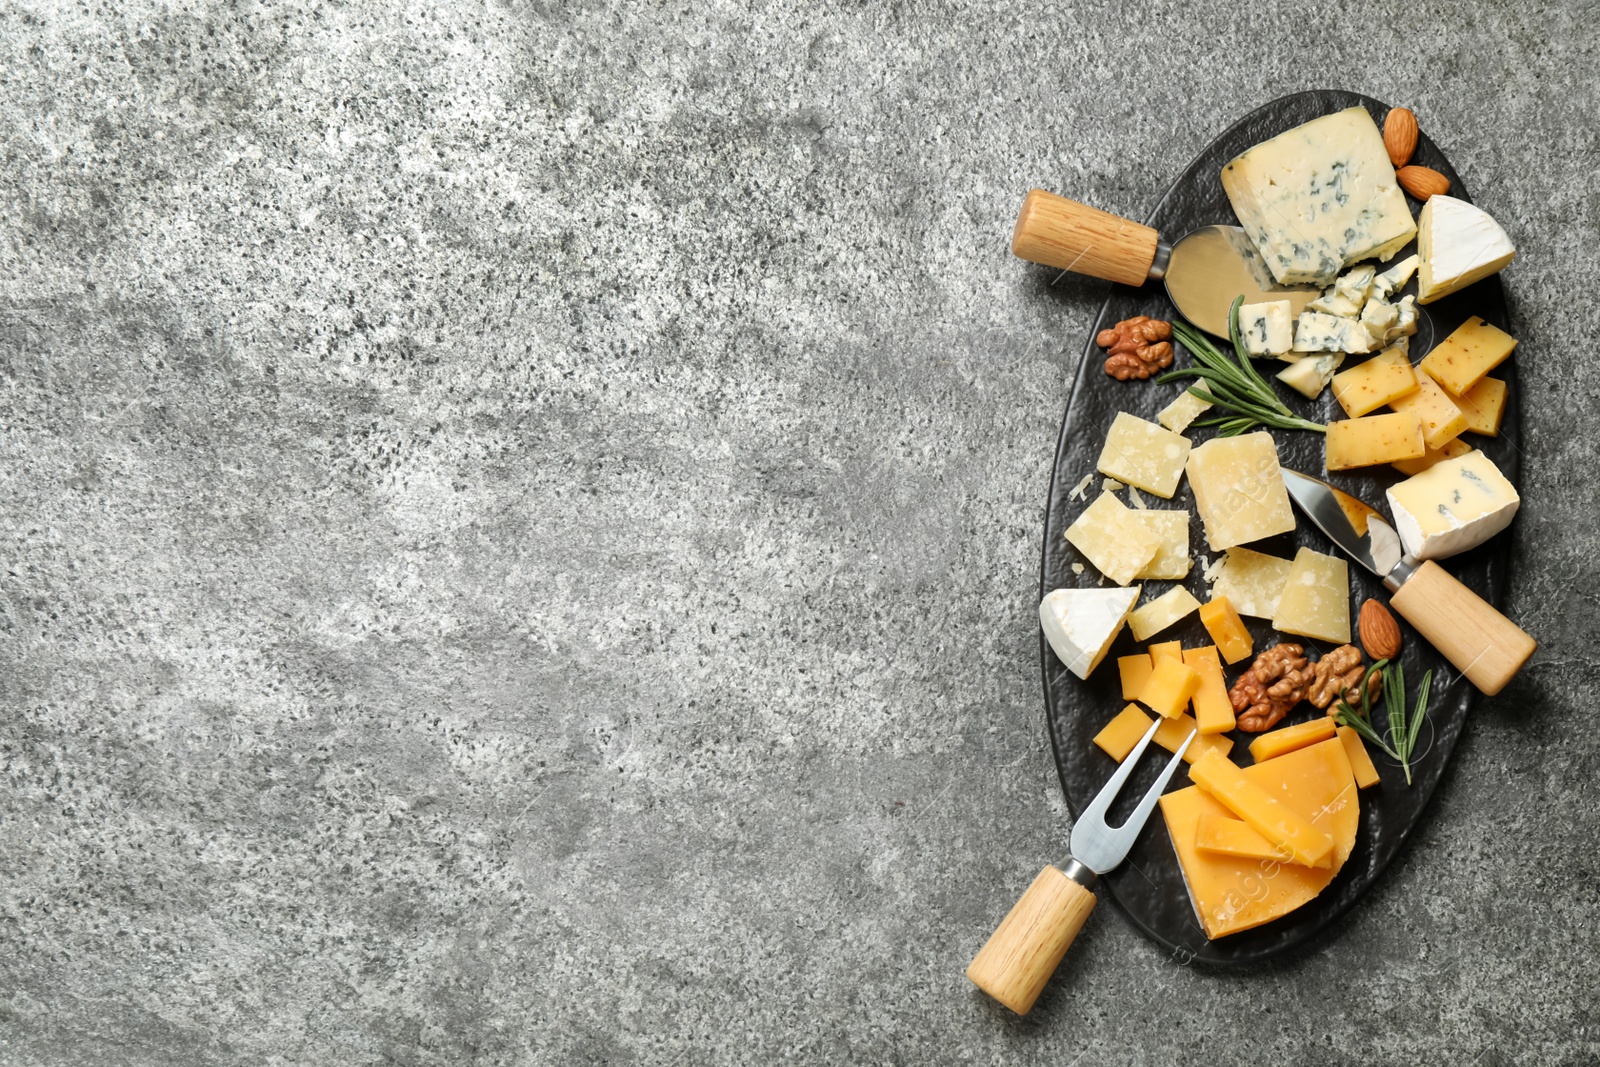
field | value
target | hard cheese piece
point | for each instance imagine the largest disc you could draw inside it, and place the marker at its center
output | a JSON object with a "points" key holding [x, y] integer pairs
{"points": [[1275, 743], [1473, 350], [1251, 581], [1212, 708], [1374, 439], [1317, 331], [1238, 489], [1123, 732], [1360, 760], [1171, 685], [1394, 279], [1267, 328], [1316, 598], [1226, 629], [1458, 244], [1484, 406], [1233, 837], [1134, 671], [1177, 415], [1441, 419], [1452, 506], [1080, 624], [1231, 894], [1113, 538], [1172, 558], [1161, 612], [1166, 650], [1368, 386], [1264, 811], [1451, 450], [1319, 197], [1172, 732], [1143, 454]]}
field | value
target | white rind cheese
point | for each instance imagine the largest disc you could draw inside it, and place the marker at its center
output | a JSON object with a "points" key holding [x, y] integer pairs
{"points": [[1081, 624], [1320, 197], [1454, 505], [1458, 244], [1267, 328]]}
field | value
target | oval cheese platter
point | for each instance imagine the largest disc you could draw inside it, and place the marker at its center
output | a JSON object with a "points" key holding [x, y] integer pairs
{"points": [[1149, 886]]}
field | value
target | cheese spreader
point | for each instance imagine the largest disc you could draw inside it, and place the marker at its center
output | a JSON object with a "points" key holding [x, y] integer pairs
{"points": [[1025, 949], [1203, 270], [1479, 642]]}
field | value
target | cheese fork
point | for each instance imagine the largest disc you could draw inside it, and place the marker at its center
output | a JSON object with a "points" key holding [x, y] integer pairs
{"points": [[1025, 949]]}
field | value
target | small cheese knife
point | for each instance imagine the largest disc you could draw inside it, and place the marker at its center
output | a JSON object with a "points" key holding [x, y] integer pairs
{"points": [[1203, 270], [1480, 642]]}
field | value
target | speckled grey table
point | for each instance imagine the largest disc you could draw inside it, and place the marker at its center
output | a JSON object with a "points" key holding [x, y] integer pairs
{"points": [[520, 529]]}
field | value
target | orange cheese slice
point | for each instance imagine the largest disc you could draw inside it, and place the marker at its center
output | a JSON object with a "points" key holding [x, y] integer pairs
{"points": [[1275, 743], [1360, 759], [1217, 833], [1267, 813], [1232, 893]]}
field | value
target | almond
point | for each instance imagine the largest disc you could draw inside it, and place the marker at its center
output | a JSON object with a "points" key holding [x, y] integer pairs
{"points": [[1380, 634], [1422, 182], [1400, 135]]}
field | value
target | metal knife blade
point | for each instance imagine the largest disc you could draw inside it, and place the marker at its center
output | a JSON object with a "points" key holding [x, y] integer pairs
{"points": [[1360, 530], [1210, 266]]}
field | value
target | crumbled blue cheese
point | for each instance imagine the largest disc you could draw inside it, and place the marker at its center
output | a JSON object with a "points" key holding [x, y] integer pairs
{"points": [[1310, 374], [1316, 331], [1267, 328], [1405, 321], [1394, 279], [1320, 197], [1378, 316]]}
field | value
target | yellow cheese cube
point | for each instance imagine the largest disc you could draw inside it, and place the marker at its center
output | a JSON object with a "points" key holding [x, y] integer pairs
{"points": [[1172, 733], [1288, 738], [1316, 599], [1123, 732], [1368, 386], [1272, 818], [1172, 558], [1232, 893], [1168, 649], [1113, 538], [1374, 439], [1238, 490], [1460, 360], [1171, 685], [1212, 708], [1161, 612], [1226, 629], [1484, 405], [1252, 581], [1143, 454], [1451, 450], [1233, 837], [1360, 760], [1134, 672], [1441, 419]]}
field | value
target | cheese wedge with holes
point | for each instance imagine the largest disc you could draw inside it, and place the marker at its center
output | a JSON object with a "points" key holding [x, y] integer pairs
{"points": [[1320, 197], [1238, 489], [1234, 894], [1143, 454]]}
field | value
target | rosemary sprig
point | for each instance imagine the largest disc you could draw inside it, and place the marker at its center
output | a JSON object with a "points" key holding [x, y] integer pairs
{"points": [[1402, 734], [1233, 385]]}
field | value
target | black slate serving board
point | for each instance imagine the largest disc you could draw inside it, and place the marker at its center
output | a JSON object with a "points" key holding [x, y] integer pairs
{"points": [[1148, 886]]}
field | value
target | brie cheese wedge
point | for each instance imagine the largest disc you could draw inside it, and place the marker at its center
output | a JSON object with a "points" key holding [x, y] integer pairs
{"points": [[1457, 244], [1454, 505], [1080, 624]]}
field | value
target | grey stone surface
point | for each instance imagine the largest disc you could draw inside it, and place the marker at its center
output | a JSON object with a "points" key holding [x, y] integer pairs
{"points": [[520, 531]]}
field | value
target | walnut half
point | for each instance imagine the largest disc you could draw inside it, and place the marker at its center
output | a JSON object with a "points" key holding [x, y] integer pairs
{"points": [[1337, 676], [1275, 682], [1137, 347]]}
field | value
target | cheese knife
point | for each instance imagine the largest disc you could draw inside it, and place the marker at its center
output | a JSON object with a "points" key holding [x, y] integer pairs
{"points": [[1203, 270], [1478, 641]]}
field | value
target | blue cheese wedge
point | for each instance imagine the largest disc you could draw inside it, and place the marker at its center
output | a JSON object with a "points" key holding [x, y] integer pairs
{"points": [[1319, 198], [1405, 322], [1081, 624], [1267, 328], [1378, 317], [1458, 245], [1394, 279], [1316, 331], [1310, 374], [1454, 505]]}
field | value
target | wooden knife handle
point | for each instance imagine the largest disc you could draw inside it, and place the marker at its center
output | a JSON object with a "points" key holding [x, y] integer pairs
{"points": [[1483, 644], [1063, 233], [1023, 952]]}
